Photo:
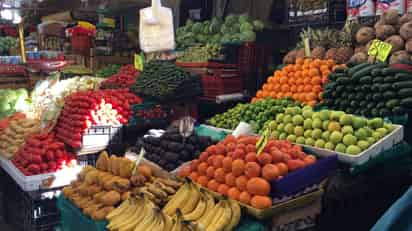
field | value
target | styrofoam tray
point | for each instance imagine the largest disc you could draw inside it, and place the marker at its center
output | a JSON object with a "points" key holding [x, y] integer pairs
{"points": [[395, 137], [58, 179]]}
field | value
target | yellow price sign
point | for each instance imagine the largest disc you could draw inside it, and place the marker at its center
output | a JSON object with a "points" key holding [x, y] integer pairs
{"points": [[380, 50], [138, 61], [263, 140]]}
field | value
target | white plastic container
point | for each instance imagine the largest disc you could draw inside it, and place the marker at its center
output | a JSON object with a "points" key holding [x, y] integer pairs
{"points": [[156, 32], [42, 181], [395, 137], [382, 6]]}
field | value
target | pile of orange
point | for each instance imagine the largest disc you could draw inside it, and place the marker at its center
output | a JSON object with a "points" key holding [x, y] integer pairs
{"points": [[302, 81], [233, 168]]}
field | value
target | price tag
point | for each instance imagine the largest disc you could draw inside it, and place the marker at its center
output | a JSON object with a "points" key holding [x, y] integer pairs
{"points": [[260, 145], [306, 44], [138, 61], [380, 50], [109, 22]]}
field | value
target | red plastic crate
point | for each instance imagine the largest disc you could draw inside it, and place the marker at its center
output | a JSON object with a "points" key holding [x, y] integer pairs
{"points": [[81, 44], [214, 86]]}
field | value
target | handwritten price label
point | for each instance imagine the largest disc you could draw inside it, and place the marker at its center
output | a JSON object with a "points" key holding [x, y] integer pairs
{"points": [[380, 50], [261, 143]]}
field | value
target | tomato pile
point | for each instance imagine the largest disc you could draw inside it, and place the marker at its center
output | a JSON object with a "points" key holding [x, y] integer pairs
{"points": [[87, 108], [42, 153], [125, 78]]}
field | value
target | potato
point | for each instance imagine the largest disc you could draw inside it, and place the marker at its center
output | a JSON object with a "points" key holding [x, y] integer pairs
{"points": [[121, 185], [126, 168], [93, 189], [111, 198], [92, 177], [102, 162]]}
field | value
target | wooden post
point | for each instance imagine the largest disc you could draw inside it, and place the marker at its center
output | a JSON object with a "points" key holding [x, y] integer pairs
{"points": [[22, 47]]}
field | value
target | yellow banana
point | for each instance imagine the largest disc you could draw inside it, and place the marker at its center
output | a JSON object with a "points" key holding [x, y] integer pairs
{"points": [[192, 201], [123, 206], [127, 218], [210, 215], [168, 222], [119, 218], [178, 225], [221, 219], [180, 198], [199, 210], [210, 204], [147, 222], [236, 212], [139, 215]]}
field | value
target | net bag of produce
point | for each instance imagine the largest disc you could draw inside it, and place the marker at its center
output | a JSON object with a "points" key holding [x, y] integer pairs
{"points": [[156, 28]]}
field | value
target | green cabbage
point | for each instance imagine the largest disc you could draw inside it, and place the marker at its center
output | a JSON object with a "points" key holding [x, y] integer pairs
{"points": [[248, 36], [246, 27], [259, 26]]}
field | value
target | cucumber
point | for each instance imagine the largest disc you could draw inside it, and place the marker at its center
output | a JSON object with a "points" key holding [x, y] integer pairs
{"points": [[365, 80], [405, 92], [384, 112], [376, 72], [340, 88], [363, 104], [343, 80], [389, 95], [376, 97], [403, 77], [394, 71], [392, 103], [385, 87], [367, 70], [375, 112], [389, 79], [403, 84], [339, 70], [378, 79], [353, 70], [335, 76], [354, 103], [407, 102], [380, 105]]}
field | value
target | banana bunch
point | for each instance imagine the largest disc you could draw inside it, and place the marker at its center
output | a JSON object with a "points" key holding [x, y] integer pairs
{"points": [[159, 191], [141, 214], [199, 207]]}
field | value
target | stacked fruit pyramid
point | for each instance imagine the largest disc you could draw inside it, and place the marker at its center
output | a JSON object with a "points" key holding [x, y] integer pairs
{"points": [[233, 168], [371, 90], [302, 81], [332, 130]]}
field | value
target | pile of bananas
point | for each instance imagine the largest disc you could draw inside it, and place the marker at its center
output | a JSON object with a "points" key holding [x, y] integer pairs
{"points": [[159, 191], [199, 207]]}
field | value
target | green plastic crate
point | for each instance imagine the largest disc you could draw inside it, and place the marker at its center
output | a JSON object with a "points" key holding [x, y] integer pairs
{"points": [[72, 219]]}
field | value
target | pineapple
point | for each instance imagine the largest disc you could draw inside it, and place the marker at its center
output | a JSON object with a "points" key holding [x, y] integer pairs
{"points": [[344, 44], [331, 53], [320, 40], [318, 52]]}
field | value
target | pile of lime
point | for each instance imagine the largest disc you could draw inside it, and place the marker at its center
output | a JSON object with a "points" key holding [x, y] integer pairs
{"points": [[332, 130], [256, 114]]}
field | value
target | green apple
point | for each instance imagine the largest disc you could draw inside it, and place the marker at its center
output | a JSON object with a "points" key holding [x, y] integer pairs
{"points": [[382, 131], [363, 144], [307, 114], [347, 129], [274, 135], [283, 136], [349, 140], [371, 140], [336, 137], [359, 122], [326, 135], [361, 133], [300, 140], [280, 128], [325, 124], [273, 125], [335, 115], [376, 135], [289, 128], [279, 117], [353, 150], [297, 120], [307, 124], [375, 123], [320, 143], [340, 148], [309, 141], [389, 127], [299, 131], [334, 126], [317, 123], [287, 119], [324, 115], [316, 133], [291, 138], [315, 115], [308, 133], [345, 119], [330, 146]]}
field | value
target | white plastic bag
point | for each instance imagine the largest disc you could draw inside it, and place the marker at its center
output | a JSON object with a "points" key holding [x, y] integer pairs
{"points": [[156, 28]]}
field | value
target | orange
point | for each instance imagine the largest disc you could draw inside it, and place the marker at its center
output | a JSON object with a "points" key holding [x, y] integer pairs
{"points": [[213, 185], [233, 193], [307, 80], [203, 180], [299, 61], [283, 168], [245, 197], [230, 180], [293, 88], [308, 88], [285, 88], [314, 72], [241, 182], [222, 189], [316, 80], [291, 81], [273, 95]]}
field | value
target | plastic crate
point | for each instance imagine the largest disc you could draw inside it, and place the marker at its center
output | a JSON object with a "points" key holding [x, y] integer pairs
{"points": [[149, 112], [81, 44], [214, 85], [41, 181], [31, 211], [72, 219], [97, 138]]}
